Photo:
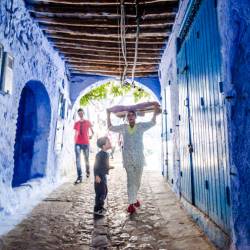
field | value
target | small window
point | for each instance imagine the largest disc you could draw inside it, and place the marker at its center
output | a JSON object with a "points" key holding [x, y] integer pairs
{"points": [[7, 63], [1, 67], [63, 107]]}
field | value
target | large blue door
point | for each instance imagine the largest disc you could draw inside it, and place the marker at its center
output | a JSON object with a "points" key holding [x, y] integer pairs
{"points": [[203, 142]]}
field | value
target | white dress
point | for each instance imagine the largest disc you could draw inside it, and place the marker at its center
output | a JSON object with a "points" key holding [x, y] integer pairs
{"points": [[132, 153]]}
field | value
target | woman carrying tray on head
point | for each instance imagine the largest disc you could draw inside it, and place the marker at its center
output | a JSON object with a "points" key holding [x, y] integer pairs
{"points": [[133, 157]]}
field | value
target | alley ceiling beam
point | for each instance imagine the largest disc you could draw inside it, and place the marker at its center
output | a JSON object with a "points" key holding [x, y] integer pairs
{"points": [[150, 32], [79, 62], [104, 46], [100, 16], [101, 51], [112, 73], [86, 60], [114, 69], [165, 22], [107, 56], [107, 74], [150, 41], [115, 60], [93, 2], [130, 53]]}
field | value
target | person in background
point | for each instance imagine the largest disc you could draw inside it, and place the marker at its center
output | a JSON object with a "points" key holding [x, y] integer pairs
{"points": [[82, 128], [132, 152]]}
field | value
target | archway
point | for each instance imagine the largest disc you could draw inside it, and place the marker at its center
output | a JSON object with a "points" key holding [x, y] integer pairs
{"points": [[33, 126], [98, 119]]}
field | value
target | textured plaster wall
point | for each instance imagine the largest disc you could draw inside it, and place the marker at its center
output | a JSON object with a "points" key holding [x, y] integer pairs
{"points": [[234, 23], [34, 59], [234, 26]]}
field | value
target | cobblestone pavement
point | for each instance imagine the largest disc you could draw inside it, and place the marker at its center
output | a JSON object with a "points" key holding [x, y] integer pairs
{"points": [[65, 220]]}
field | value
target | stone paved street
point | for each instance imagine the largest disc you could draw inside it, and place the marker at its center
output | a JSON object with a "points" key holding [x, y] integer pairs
{"points": [[65, 220]]}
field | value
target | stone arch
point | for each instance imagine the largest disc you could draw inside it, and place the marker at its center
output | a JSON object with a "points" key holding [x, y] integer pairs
{"points": [[32, 133]]}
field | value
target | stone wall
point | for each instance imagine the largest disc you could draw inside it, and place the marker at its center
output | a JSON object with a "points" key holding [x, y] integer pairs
{"points": [[34, 60]]}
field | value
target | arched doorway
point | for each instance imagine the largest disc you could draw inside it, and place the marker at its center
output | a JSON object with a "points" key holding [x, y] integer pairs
{"points": [[33, 126], [95, 111]]}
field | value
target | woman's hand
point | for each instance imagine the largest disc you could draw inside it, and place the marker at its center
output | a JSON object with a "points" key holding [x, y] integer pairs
{"points": [[97, 179]]}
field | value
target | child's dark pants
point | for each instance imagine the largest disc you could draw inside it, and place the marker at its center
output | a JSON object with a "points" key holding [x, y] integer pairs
{"points": [[101, 191]]}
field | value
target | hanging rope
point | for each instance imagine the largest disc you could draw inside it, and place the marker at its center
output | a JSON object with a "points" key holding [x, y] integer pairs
{"points": [[136, 41], [123, 41], [118, 37]]}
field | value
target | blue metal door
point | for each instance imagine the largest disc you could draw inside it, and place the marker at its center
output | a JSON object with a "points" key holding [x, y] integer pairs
{"points": [[187, 185], [204, 164]]}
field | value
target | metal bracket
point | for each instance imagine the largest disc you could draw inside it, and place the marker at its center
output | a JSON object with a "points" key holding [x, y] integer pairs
{"points": [[206, 184], [190, 148], [228, 196]]}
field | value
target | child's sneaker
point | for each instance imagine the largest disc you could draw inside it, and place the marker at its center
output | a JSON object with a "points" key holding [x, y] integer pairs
{"points": [[100, 212], [104, 210], [137, 204], [131, 209]]}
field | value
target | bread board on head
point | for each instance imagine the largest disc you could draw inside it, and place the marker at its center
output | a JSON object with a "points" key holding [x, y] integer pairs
{"points": [[140, 109]]}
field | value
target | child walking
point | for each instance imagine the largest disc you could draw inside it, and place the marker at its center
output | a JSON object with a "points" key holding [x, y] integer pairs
{"points": [[101, 169]]}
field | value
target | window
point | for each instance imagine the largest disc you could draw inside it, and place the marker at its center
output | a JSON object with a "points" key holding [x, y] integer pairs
{"points": [[1, 62], [7, 63], [61, 106]]}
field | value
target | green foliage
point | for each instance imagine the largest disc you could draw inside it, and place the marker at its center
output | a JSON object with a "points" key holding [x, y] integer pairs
{"points": [[98, 93], [139, 94], [111, 89]]}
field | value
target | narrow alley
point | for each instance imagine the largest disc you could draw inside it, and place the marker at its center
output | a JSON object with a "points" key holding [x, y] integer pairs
{"points": [[165, 81], [65, 220]]}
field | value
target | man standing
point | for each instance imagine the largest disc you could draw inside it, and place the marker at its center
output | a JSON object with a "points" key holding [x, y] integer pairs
{"points": [[132, 152], [82, 137]]}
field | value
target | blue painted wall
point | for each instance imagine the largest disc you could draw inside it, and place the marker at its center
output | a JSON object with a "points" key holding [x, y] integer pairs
{"points": [[38, 71], [82, 82], [234, 23], [235, 35]]}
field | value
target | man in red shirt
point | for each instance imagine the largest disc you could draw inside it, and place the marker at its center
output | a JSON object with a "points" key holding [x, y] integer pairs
{"points": [[82, 137]]}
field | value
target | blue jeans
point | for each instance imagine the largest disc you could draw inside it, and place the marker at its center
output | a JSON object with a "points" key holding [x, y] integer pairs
{"points": [[85, 149]]}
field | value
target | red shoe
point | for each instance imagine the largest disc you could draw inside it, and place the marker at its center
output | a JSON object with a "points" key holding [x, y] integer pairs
{"points": [[137, 204], [131, 209]]}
